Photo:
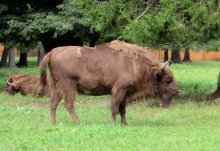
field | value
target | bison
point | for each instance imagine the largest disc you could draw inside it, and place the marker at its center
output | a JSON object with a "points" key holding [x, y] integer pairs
{"points": [[26, 84], [124, 70]]}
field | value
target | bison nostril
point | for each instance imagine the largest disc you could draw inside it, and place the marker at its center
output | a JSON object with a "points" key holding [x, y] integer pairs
{"points": [[175, 92]]}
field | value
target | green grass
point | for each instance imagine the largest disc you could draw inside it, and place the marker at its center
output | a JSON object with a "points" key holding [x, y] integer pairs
{"points": [[24, 121], [198, 79]]}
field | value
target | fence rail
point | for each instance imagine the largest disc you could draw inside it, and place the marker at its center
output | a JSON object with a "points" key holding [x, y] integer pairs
{"points": [[194, 55]]}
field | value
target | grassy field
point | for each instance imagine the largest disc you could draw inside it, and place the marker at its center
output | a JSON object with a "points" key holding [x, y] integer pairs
{"points": [[24, 121]]}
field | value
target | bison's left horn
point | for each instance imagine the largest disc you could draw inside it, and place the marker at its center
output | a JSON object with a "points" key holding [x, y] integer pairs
{"points": [[165, 64], [11, 84]]}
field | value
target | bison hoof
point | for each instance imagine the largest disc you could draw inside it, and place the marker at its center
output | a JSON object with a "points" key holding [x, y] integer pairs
{"points": [[77, 121], [52, 122], [124, 123]]}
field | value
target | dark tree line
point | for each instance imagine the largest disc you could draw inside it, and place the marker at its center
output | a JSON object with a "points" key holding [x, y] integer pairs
{"points": [[27, 23], [162, 24]]}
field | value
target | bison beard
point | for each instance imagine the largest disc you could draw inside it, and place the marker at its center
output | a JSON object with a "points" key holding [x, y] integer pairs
{"points": [[126, 71]]}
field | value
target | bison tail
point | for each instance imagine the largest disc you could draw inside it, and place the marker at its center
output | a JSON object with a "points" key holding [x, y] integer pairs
{"points": [[43, 70]]}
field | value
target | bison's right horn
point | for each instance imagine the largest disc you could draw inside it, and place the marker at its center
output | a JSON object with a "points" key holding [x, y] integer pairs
{"points": [[11, 84], [161, 72], [9, 75]]}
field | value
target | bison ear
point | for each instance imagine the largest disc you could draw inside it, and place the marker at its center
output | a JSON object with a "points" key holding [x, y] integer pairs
{"points": [[159, 75]]}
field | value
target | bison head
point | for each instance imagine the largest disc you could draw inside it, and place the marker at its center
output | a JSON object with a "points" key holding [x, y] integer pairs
{"points": [[167, 85], [11, 88]]}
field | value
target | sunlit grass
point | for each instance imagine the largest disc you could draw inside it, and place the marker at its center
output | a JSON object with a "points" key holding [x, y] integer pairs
{"points": [[24, 121], [25, 126]]}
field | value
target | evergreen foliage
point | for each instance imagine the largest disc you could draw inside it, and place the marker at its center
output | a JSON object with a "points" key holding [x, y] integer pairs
{"points": [[172, 24], [178, 24]]}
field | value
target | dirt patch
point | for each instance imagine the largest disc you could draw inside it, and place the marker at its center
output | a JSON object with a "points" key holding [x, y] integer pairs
{"points": [[40, 105], [145, 115], [90, 104], [94, 104]]}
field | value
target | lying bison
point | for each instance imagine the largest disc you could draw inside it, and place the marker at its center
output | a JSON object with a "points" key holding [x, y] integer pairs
{"points": [[116, 68], [26, 84]]}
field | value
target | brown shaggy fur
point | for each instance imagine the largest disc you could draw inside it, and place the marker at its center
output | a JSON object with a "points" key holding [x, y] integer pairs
{"points": [[27, 84], [126, 71], [132, 50]]}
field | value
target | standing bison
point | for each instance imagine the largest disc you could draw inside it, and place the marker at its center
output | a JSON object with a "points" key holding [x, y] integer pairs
{"points": [[126, 71], [26, 85]]}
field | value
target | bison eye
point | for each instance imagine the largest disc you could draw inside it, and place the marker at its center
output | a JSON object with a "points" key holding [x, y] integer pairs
{"points": [[168, 79]]}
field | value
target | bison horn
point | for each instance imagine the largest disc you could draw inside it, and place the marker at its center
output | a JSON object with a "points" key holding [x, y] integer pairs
{"points": [[161, 72], [11, 84], [165, 64]]}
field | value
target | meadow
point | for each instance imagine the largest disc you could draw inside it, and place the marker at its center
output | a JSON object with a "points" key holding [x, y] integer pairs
{"points": [[188, 124]]}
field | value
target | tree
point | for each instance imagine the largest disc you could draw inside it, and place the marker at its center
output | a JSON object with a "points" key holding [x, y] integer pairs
{"points": [[11, 62], [4, 58], [175, 25], [187, 55], [22, 60], [40, 55], [42, 21], [10, 37], [107, 18], [175, 56], [166, 55], [162, 24], [215, 94], [205, 24]]}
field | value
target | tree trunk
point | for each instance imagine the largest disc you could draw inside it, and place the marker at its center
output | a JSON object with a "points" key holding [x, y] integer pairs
{"points": [[4, 58], [93, 39], [40, 56], [11, 62], [49, 42], [175, 56], [166, 56], [92, 42], [217, 4], [215, 94], [187, 56], [22, 60]]}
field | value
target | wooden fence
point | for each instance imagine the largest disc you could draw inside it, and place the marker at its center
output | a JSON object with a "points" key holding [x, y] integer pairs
{"points": [[194, 55], [1, 49]]}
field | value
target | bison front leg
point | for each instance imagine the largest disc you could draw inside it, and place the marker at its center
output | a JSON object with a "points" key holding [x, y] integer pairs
{"points": [[117, 99], [122, 111]]}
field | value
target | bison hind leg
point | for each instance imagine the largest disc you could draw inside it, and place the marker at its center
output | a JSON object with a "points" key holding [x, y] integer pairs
{"points": [[69, 98], [55, 99], [69, 89]]}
